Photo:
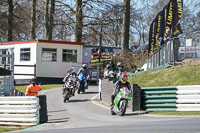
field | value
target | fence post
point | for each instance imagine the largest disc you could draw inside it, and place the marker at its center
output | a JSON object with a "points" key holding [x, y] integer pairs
{"points": [[35, 71], [136, 98], [98, 74], [100, 88]]}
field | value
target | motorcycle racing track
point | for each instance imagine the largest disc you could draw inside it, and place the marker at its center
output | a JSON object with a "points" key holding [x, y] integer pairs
{"points": [[85, 114]]}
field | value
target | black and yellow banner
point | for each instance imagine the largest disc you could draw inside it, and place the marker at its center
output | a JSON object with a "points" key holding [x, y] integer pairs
{"points": [[156, 30], [168, 18]]}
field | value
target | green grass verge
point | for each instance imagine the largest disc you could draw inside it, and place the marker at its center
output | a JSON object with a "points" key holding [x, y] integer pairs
{"points": [[5, 129], [44, 87], [173, 76], [176, 113]]}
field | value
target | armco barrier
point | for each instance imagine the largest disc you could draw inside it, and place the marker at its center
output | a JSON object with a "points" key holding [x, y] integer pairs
{"points": [[19, 110], [171, 98]]}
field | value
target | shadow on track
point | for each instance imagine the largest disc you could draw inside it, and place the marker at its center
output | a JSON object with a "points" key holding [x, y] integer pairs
{"points": [[58, 120], [78, 100], [90, 93], [55, 111], [135, 113]]}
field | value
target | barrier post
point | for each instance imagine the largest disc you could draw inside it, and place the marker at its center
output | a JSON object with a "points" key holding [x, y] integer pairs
{"points": [[136, 98], [100, 89], [43, 108]]}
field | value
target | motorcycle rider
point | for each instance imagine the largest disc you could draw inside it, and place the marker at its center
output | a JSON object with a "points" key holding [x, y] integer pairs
{"points": [[71, 72], [84, 71], [119, 67], [109, 67], [118, 85]]}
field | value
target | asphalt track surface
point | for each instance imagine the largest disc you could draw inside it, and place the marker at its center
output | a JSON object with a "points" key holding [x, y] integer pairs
{"points": [[85, 114]]}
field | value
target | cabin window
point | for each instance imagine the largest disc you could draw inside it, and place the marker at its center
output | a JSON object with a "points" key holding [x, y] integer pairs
{"points": [[3, 59], [25, 54], [49, 54], [69, 55]]}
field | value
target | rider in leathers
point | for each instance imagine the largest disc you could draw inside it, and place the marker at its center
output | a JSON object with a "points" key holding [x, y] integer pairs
{"points": [[72, 73], [110, 66], [120, 68], [84, 70], [118, 85]]}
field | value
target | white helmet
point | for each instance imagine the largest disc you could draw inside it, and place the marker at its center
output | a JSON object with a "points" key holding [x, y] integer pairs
{"points": [[84, 66], [119, 64]]}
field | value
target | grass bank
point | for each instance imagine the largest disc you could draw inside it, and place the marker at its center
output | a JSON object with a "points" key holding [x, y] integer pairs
{"points": [[173, 76], [179, 75]]}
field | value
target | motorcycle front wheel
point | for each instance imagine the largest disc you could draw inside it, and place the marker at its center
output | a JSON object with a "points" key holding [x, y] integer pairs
{"points": [[122, 109], [66, 96]]}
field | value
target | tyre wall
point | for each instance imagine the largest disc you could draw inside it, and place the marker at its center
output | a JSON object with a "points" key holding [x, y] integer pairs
{"points": [[43, 108]]}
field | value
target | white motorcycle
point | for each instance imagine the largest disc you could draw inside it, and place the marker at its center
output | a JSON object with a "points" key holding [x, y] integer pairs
{"points": [[109, 74]]}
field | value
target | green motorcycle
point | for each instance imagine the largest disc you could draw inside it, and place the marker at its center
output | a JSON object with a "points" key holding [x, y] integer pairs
{"points": [[121, 102]]}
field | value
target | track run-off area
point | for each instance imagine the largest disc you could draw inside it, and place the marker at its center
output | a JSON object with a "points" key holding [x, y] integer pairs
{"points": [[84, 114]]}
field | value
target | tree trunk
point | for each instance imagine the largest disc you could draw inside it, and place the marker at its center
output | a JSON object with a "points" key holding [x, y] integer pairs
{"points": [[33, 20], [51, 21], [116, 40], [79, 23], [10, 20], [47, 20], [125, 27]]}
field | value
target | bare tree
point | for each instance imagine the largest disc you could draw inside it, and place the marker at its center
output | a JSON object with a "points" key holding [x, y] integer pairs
{"points": [[10, 20], [49, 19], [125, 27], [79, 21], [33, 20], [51, 26]]}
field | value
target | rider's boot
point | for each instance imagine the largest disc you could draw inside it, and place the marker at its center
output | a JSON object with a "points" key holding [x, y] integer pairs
{"points": [[73, 93], [112, 100]]}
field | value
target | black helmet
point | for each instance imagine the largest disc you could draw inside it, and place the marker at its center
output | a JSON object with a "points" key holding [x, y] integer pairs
{"points": [[33, 80]]}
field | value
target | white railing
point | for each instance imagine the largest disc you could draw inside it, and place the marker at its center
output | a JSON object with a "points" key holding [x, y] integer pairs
{"points": [[19, 110], [188, 98]]}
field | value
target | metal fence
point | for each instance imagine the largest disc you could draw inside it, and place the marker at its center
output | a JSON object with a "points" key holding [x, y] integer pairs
{"points": [[177, 49], [7, 81], [189, 48]]}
